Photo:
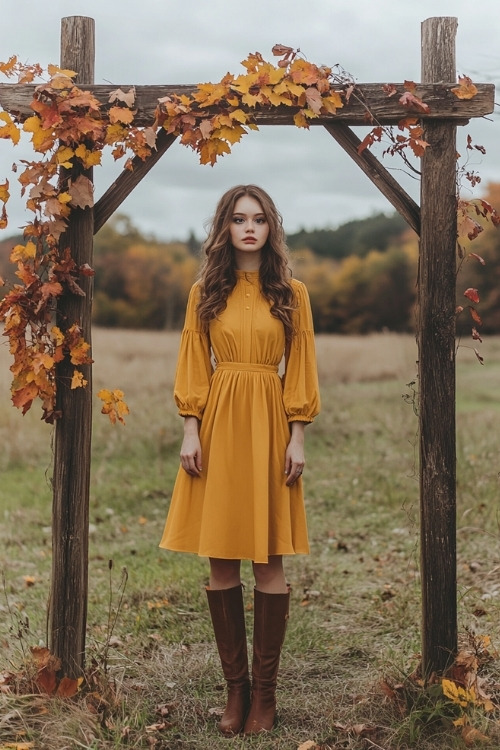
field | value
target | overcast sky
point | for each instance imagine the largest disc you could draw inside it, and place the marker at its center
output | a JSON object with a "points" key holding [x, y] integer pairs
{"points": [[190, 41]]}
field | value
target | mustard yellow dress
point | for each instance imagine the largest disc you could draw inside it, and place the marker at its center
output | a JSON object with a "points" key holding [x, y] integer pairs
{"points": [[240, 507]]}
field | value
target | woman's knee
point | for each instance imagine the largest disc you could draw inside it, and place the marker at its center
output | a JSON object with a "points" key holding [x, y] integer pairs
{"points": [[270, 573], [224, 573]]}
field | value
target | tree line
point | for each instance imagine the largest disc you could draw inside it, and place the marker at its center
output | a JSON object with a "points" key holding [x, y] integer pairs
{"points": [[361, 276]]}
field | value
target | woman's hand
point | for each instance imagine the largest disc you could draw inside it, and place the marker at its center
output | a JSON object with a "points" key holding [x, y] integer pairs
{"points": [[294, 456], [191, 448]]}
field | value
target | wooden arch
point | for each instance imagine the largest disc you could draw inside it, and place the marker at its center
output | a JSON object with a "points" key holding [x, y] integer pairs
{"points": [[435, 220]]}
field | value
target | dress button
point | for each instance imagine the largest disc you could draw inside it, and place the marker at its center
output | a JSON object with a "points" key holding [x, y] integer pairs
{"points": [[248, 307]]}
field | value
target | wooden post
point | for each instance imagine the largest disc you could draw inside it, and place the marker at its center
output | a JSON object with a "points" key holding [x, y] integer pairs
{"points": [[70, 513], [436, 340]]}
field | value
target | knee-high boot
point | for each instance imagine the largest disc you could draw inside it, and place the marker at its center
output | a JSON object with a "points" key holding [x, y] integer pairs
{"points": [[228, 619], [270, 620]]}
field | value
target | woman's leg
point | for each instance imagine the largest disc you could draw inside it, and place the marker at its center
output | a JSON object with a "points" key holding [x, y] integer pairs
{"points": [[225, 601], [270, 576], [271, 604], [224, 574]]}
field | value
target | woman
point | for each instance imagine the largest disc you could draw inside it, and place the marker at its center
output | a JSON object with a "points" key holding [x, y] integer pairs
{"points": [[238, 494]]}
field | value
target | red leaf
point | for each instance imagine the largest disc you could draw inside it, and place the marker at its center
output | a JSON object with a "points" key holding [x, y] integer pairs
{"points": [[474, 315], [68, 687], [374, 135], [481, 359], [476, 336], [472, 294], [281, 49]]}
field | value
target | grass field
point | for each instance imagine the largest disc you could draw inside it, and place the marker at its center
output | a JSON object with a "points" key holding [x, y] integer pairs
{"points": [[354, 633]]}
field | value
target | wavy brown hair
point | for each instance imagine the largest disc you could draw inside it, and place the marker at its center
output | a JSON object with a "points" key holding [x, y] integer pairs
{"points": [[218, 271]]}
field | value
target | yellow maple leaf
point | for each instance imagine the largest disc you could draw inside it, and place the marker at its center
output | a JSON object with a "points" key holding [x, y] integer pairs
{"points": [[332, 102], [79, 353], [8, 68], [300, 120], [54, 70], [87, 157], [114, 133], [23, 253], [10, 129], [208, 94], [57, 335], [251, 99], [457, 694], [239, 115], [274, 98], [231, 134], [78, 381], [113, 404], [63, 156], [42, 139], [4, 191], [289, 87]]}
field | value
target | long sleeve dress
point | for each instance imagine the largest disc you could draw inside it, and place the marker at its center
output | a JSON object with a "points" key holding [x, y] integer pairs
{"points": [[240, 506]]}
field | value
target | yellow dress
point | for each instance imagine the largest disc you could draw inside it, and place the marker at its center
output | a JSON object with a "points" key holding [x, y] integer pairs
{"points": [[240, 507]]}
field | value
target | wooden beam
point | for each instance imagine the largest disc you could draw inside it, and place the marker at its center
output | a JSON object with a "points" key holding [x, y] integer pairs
{"points": [[370, 99], [436, 356], [378, 174], [73, 431], [128, 179]]}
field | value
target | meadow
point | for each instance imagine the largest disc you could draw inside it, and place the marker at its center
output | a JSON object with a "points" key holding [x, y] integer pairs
{"points": [[353, 640]]}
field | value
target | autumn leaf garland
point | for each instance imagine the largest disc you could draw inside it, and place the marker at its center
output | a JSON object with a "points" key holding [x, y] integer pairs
{"points": [[70, 128], [311, 89]]}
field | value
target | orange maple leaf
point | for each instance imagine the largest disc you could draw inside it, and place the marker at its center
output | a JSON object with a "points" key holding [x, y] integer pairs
{"points": [[465, 89], [113, 405], [23, 397], [121, 114], [304, 72]]}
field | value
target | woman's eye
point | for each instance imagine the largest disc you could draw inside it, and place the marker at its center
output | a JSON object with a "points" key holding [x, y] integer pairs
{"points": [[260, 220]]}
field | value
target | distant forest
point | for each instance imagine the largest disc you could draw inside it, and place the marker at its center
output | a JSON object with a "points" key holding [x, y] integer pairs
{"points": [[361, 276]]}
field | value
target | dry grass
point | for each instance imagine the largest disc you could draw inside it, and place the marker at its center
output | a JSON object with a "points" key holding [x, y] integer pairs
{"points": [[356, 602]]}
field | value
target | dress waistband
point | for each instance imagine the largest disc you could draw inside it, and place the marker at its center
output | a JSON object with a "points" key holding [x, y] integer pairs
{"points": [[246, 367]]}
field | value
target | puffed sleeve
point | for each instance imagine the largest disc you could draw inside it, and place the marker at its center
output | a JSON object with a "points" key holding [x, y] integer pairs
{"points": [[194, 368], [300, 381]]}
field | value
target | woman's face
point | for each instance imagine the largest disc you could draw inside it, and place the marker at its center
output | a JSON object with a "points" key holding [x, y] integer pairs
{"points": [[249, 229]]}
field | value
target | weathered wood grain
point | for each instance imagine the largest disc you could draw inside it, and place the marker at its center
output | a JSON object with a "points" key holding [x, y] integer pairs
{"points": [[368, 102]]}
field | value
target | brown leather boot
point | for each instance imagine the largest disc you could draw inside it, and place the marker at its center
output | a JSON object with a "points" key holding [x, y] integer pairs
{"points": [[228, 619], [270, 619]]}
